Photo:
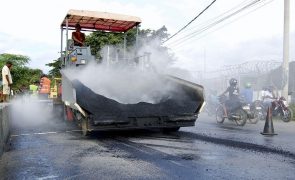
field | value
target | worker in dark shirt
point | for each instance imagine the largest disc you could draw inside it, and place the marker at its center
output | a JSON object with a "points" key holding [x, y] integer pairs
{"points": [[78, 36]]}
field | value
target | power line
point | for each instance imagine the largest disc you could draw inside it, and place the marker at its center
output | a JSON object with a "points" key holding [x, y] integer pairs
{"points": [[199, 31], [190, 36], [190, 21], [220, 15]]}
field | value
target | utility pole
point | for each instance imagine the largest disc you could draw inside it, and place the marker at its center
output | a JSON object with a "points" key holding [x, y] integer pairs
{"points": [[285, 66], [204, 72]]}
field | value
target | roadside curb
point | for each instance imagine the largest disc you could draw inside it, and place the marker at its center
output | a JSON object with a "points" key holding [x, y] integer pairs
{"points": [[4, 126]]}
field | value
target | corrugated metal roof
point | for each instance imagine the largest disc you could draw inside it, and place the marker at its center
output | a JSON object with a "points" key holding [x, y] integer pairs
{"points": [[101, 20]]}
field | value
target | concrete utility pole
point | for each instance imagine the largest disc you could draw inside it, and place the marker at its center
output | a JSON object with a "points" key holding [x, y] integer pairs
{"points": [[286, 48], [204, 73]]}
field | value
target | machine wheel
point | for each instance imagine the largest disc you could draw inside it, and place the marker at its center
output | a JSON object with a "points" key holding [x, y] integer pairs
{"points": [[84, 126], [243, 117], [174, 129], [220, 114], [288, 116], [256, 118]]}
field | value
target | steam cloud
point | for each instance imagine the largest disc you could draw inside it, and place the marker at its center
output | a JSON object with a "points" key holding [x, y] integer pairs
{"points": [[128, 81], [28, 111]]}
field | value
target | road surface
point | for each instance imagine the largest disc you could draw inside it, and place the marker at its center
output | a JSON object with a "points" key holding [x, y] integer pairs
{"points": [[54, 149]]}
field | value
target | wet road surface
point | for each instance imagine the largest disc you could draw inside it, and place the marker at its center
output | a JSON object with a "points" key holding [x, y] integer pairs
{"points": [[248, 135], [56, 150]]}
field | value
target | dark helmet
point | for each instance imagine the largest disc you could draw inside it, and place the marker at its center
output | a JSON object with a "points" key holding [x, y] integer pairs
{"points": [[233, 82]]}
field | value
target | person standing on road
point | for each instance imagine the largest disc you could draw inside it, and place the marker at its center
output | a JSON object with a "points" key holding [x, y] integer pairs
{"points": [[44, 87], [267, 96], [7, 80], [34, 89]]}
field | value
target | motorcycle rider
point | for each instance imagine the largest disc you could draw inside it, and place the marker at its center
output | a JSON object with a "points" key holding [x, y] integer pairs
{"points": [[233, 94], [247, 93]]}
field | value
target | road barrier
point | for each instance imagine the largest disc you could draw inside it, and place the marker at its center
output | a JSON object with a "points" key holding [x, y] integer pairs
{"points": [[4, 126]]}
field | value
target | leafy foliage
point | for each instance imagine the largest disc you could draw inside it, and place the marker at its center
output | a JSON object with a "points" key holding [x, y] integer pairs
{"points": [[97, 40], [22, 76], [17, 60], [55, 71]]}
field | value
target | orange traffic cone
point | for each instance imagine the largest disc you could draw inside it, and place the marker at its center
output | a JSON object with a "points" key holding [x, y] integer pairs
{"points": [[268, 127]]}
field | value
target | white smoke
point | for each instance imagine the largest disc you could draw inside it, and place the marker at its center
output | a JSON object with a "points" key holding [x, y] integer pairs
{"points": [[129, 80], [29, 111]]}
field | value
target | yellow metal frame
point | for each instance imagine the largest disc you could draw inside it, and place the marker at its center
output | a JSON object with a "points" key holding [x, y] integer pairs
{"points": [[54, 90]]}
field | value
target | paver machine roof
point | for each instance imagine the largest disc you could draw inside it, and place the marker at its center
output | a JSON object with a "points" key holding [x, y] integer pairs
{"points": [[94, 20]]}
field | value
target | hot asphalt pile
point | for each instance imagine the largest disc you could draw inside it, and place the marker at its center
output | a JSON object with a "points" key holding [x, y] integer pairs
{"points": [[182, 102]]}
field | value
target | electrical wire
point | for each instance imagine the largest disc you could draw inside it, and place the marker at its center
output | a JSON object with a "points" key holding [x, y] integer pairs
{"points": [[190, 21], [203, 29], [215, 23], [213, 19], [206, 28]]}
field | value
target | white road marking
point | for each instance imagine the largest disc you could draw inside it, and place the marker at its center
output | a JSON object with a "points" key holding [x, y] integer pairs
{"points": [[44, 133], [47, 177]]}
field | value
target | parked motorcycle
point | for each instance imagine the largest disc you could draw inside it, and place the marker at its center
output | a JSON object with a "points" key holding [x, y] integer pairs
{"points": [[279, 109], [236, 113]]}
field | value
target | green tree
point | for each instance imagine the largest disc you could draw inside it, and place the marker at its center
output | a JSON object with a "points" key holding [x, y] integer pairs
{"points": [[55, 71], [17, 60], [97, 40], [22, 75]]}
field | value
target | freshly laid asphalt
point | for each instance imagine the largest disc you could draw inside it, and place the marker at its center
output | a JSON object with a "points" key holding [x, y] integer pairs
{"points": [[249, 135], [54, 149]]}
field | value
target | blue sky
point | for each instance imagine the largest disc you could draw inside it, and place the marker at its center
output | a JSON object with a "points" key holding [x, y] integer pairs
{"points": [[32, 28]]}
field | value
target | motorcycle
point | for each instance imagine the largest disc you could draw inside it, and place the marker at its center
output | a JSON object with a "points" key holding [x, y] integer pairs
{"points": [[279, 109], [238, 113], [254, 112]]}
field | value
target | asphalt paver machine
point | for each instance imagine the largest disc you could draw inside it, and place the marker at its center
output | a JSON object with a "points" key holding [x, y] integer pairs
{"points": [[95, 112]]}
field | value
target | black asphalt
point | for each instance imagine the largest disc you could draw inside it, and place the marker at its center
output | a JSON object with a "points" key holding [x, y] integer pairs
{"points": [[55, 149]]}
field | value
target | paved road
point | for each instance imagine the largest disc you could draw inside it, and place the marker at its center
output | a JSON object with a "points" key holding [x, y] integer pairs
{"points": [[248, 135], [53, 149]]}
